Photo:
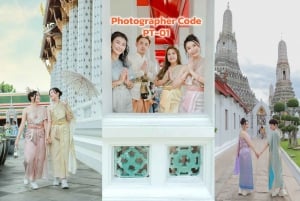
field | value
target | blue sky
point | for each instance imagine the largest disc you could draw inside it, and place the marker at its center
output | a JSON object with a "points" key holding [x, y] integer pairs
{"points": [[20, 44], [259, 25]]}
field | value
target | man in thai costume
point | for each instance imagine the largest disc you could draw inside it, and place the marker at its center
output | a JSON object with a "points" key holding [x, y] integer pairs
{"points": [[144, 73], [275, 165]]}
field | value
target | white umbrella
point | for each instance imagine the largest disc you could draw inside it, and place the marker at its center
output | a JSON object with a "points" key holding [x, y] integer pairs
{"points": [[80, 83]]}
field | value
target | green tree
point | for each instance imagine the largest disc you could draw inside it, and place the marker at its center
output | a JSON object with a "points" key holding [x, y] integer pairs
{"points": [[295, 123], [279, 107], [5, 88], [290, 126], [288, 122], [293, 103]]}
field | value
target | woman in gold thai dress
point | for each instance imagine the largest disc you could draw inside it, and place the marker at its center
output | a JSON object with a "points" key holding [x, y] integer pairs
{"points": [[60, 139], [35, 116], [170, 96]]}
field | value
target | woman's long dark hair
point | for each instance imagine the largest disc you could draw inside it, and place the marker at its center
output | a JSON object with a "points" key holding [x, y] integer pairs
{"points": [[191, 38], [123, 56], [243, 121], [56, 90], [32, 94], [167, 64]]}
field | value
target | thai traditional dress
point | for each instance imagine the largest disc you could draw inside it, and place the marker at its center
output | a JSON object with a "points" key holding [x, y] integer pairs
{"points": [[275, 166], [141, 105], [193, 95], [246, 171], [121, 96], [34, 145], [62, 147], [170, 97]]}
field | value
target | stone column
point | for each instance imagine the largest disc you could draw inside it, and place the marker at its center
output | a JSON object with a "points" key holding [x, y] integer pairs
{"points": [[64, 60], [97, 58], [72, 53], [84, 41], [55, 74]]}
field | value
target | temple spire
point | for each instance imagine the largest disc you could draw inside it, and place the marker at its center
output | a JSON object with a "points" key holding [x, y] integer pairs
{"points": [[283, 90], [282, 52], [227, 20], [226, 62]]}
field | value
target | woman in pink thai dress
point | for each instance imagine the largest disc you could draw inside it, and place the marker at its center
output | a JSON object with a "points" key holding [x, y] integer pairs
{"points": [[35, 116], [192, 78]]}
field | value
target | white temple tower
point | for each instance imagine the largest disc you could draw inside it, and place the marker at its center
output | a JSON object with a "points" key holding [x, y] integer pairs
{"points": [[283, 89], [226, 62]]}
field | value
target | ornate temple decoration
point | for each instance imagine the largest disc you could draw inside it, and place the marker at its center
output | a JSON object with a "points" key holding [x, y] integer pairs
{"points": [[184, 160], [261, 116], [54, 19], [283, 89], [226, 63], [131, 161], [67, 5]]}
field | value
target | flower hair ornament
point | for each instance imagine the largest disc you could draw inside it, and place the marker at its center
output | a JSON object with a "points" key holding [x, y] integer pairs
{"points": [[29, 90]]}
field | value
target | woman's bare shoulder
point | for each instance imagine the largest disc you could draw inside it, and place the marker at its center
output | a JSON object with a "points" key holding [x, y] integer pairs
{"points": [[243, 134], [26, 108]]}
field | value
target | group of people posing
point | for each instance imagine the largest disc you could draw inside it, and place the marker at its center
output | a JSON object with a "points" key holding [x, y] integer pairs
{"points": [[48, 133], [182, 84], [244, 160]]}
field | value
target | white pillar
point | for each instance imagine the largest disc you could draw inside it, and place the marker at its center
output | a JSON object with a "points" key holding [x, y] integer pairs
{"points": [[72, 52], [84, 56], [64, 60], [96, 69], [84, 41]]}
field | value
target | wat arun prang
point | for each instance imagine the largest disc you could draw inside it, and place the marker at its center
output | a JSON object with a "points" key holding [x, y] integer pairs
{"points": [[283, 90], [227, 66]]}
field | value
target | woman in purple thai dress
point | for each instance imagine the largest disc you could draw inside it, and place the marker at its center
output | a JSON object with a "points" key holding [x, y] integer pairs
{"points": [[35, 116], [245, 160]]}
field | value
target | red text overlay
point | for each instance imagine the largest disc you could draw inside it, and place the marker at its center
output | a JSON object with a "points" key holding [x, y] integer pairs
{"points": [[154, 22]]}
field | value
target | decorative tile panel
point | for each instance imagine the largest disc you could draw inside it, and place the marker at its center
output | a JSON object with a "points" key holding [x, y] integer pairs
{"points": [[131, 161], [184, 160]]}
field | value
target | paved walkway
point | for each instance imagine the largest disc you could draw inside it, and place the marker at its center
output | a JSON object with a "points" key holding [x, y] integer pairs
{"points": [[84, 185], [226, 184]]}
